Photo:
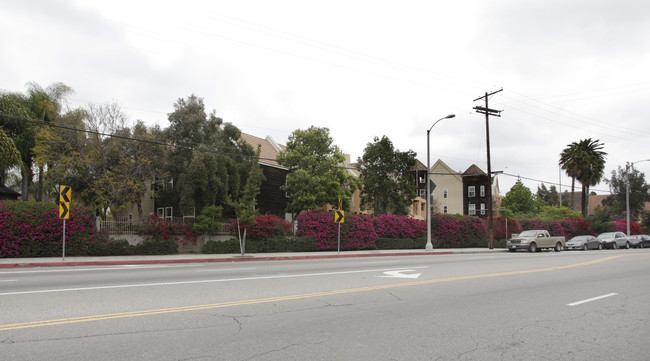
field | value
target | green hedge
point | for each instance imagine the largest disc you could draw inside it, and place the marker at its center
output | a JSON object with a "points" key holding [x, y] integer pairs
{"points": [[271, 245]]}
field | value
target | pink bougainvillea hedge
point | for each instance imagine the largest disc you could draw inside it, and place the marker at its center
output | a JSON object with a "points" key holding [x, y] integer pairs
{"points": [[33, 229]]}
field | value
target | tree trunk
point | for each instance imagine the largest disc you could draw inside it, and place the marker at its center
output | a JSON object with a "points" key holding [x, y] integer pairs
{"points": [[24, 183], [573, 190], [585, 201], [39, 191]]}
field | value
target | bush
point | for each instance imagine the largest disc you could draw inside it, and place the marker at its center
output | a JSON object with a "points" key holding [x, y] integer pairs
{"points": [[499, 225], [458, 231], [574, 226], [281, 244], [620, 225], [112, 248], [264, 227], [393, 226], [401, 243], [156, 246], [209, 221], [157, 229], [33, 229]]}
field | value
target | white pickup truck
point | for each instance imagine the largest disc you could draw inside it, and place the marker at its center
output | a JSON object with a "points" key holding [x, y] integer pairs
{"points": [[535, 240]]}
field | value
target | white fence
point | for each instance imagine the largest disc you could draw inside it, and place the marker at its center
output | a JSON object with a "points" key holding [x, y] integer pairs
{"points": [[126, 226]]}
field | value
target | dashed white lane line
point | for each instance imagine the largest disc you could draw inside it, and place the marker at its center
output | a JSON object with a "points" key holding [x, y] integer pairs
{"points": [[592, 299]]}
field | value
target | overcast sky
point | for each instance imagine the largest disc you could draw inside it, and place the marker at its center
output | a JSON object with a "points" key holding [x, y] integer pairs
{"points": [[569, 70]]}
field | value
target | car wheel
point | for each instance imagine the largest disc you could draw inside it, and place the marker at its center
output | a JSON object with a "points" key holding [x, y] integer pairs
{"points": [[532, 247], [627, 245], [585, 247], [641, 245], [558, 247], [614, 245], [512, 250], [600, 246]]}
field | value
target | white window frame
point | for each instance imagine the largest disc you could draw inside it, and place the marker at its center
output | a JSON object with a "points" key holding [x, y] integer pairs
{"points": [[471, 191], [471, 209], [445, 209], [482, 191], [445, 193], [423, 193], [482, 208]]}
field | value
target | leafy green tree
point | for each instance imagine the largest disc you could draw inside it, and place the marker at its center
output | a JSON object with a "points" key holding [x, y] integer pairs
{"points": [[209, 221], [245, 207], [549, 212], [46, 105], [639, 190], [204, 165], [388, 187], [584, 161], [14, 113], [316, 176], [521, 201], [549, 196], [9, 155]]}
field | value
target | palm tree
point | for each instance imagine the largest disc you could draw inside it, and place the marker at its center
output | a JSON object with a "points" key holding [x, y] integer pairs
{"points": [[568, 162], [45, 105], [592, 168], [584, 161]]}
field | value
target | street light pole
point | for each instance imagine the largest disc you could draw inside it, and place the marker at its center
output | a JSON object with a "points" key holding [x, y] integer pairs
{"points": [[429, 246], [627, 192]]}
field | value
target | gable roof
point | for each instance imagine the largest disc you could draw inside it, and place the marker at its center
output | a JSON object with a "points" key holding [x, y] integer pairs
{"points": [[269, 149], [419, 166], [474, 170], [443, 169]]}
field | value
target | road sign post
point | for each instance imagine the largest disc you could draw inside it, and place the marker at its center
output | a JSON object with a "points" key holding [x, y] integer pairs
{"points": [[339, 217], [65, 197]]}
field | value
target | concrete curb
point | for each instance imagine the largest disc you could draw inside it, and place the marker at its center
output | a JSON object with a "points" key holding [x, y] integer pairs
{"points": [[234, 259]]}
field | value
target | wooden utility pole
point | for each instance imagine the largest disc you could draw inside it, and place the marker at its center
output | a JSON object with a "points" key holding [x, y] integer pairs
{"points": [[497, 113]]}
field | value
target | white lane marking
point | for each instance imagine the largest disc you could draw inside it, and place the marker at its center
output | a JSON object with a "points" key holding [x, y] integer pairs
{"points": [[8, 280], [380, 262], [196, 282], [114, 268], [592, 299], [400, 274], [225, 269]]}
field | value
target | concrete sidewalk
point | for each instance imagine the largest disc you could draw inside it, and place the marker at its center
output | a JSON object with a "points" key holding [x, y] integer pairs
{"points": [[205, 258]]}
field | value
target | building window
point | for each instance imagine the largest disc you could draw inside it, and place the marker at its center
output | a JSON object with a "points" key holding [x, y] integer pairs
{"points": [[482, 191], [422, 179], [482, 208], [472, 209], [422, 209], [445, 209], [444, 193], [471, 191], [423, 193]]}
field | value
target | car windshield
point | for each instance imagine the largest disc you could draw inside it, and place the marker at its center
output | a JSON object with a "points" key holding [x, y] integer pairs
{"points": [[606, 235], [528, 234], [579, 238]]}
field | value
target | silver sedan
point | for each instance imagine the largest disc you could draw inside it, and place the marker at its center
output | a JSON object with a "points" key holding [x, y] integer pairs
{"points": [[584, 243]]}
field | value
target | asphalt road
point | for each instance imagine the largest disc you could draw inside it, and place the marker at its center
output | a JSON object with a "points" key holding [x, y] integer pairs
{"points": [[591, 305]]}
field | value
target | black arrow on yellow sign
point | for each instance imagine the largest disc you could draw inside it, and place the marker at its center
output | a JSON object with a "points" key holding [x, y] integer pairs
{"points": [[339, 216], [64, 211], [65, 194]]}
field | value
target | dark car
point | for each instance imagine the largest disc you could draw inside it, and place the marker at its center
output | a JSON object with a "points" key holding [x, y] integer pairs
{"points": [[640, 241], [584, 243]]}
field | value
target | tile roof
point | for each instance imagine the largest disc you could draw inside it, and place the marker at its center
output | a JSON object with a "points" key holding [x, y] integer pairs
{"points": [[269, 149]]}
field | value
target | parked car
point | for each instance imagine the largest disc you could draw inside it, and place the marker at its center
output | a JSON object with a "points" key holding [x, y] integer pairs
{"points": [[640, 241], [584, 243], [614, 240], [535, 240]]}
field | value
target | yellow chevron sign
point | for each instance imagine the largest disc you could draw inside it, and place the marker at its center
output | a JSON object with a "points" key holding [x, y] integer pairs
{"points": [[65, 197], [64, 210], [339, 216]]}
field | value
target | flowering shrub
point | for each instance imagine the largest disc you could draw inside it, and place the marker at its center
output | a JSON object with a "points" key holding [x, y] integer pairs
{"points": [[160, 230], [264, 227], [499, 225], [552, 226], [33, 229], [392, 226], [356, 232], [574, 226], [457, 231], [620, 225]]}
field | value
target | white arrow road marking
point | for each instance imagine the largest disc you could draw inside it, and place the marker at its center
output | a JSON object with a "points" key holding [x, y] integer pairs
{"points": [[399, 274]]}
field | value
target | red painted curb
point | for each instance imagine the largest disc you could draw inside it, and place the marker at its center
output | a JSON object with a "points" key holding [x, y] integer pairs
{"points": [[210, 260]]}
